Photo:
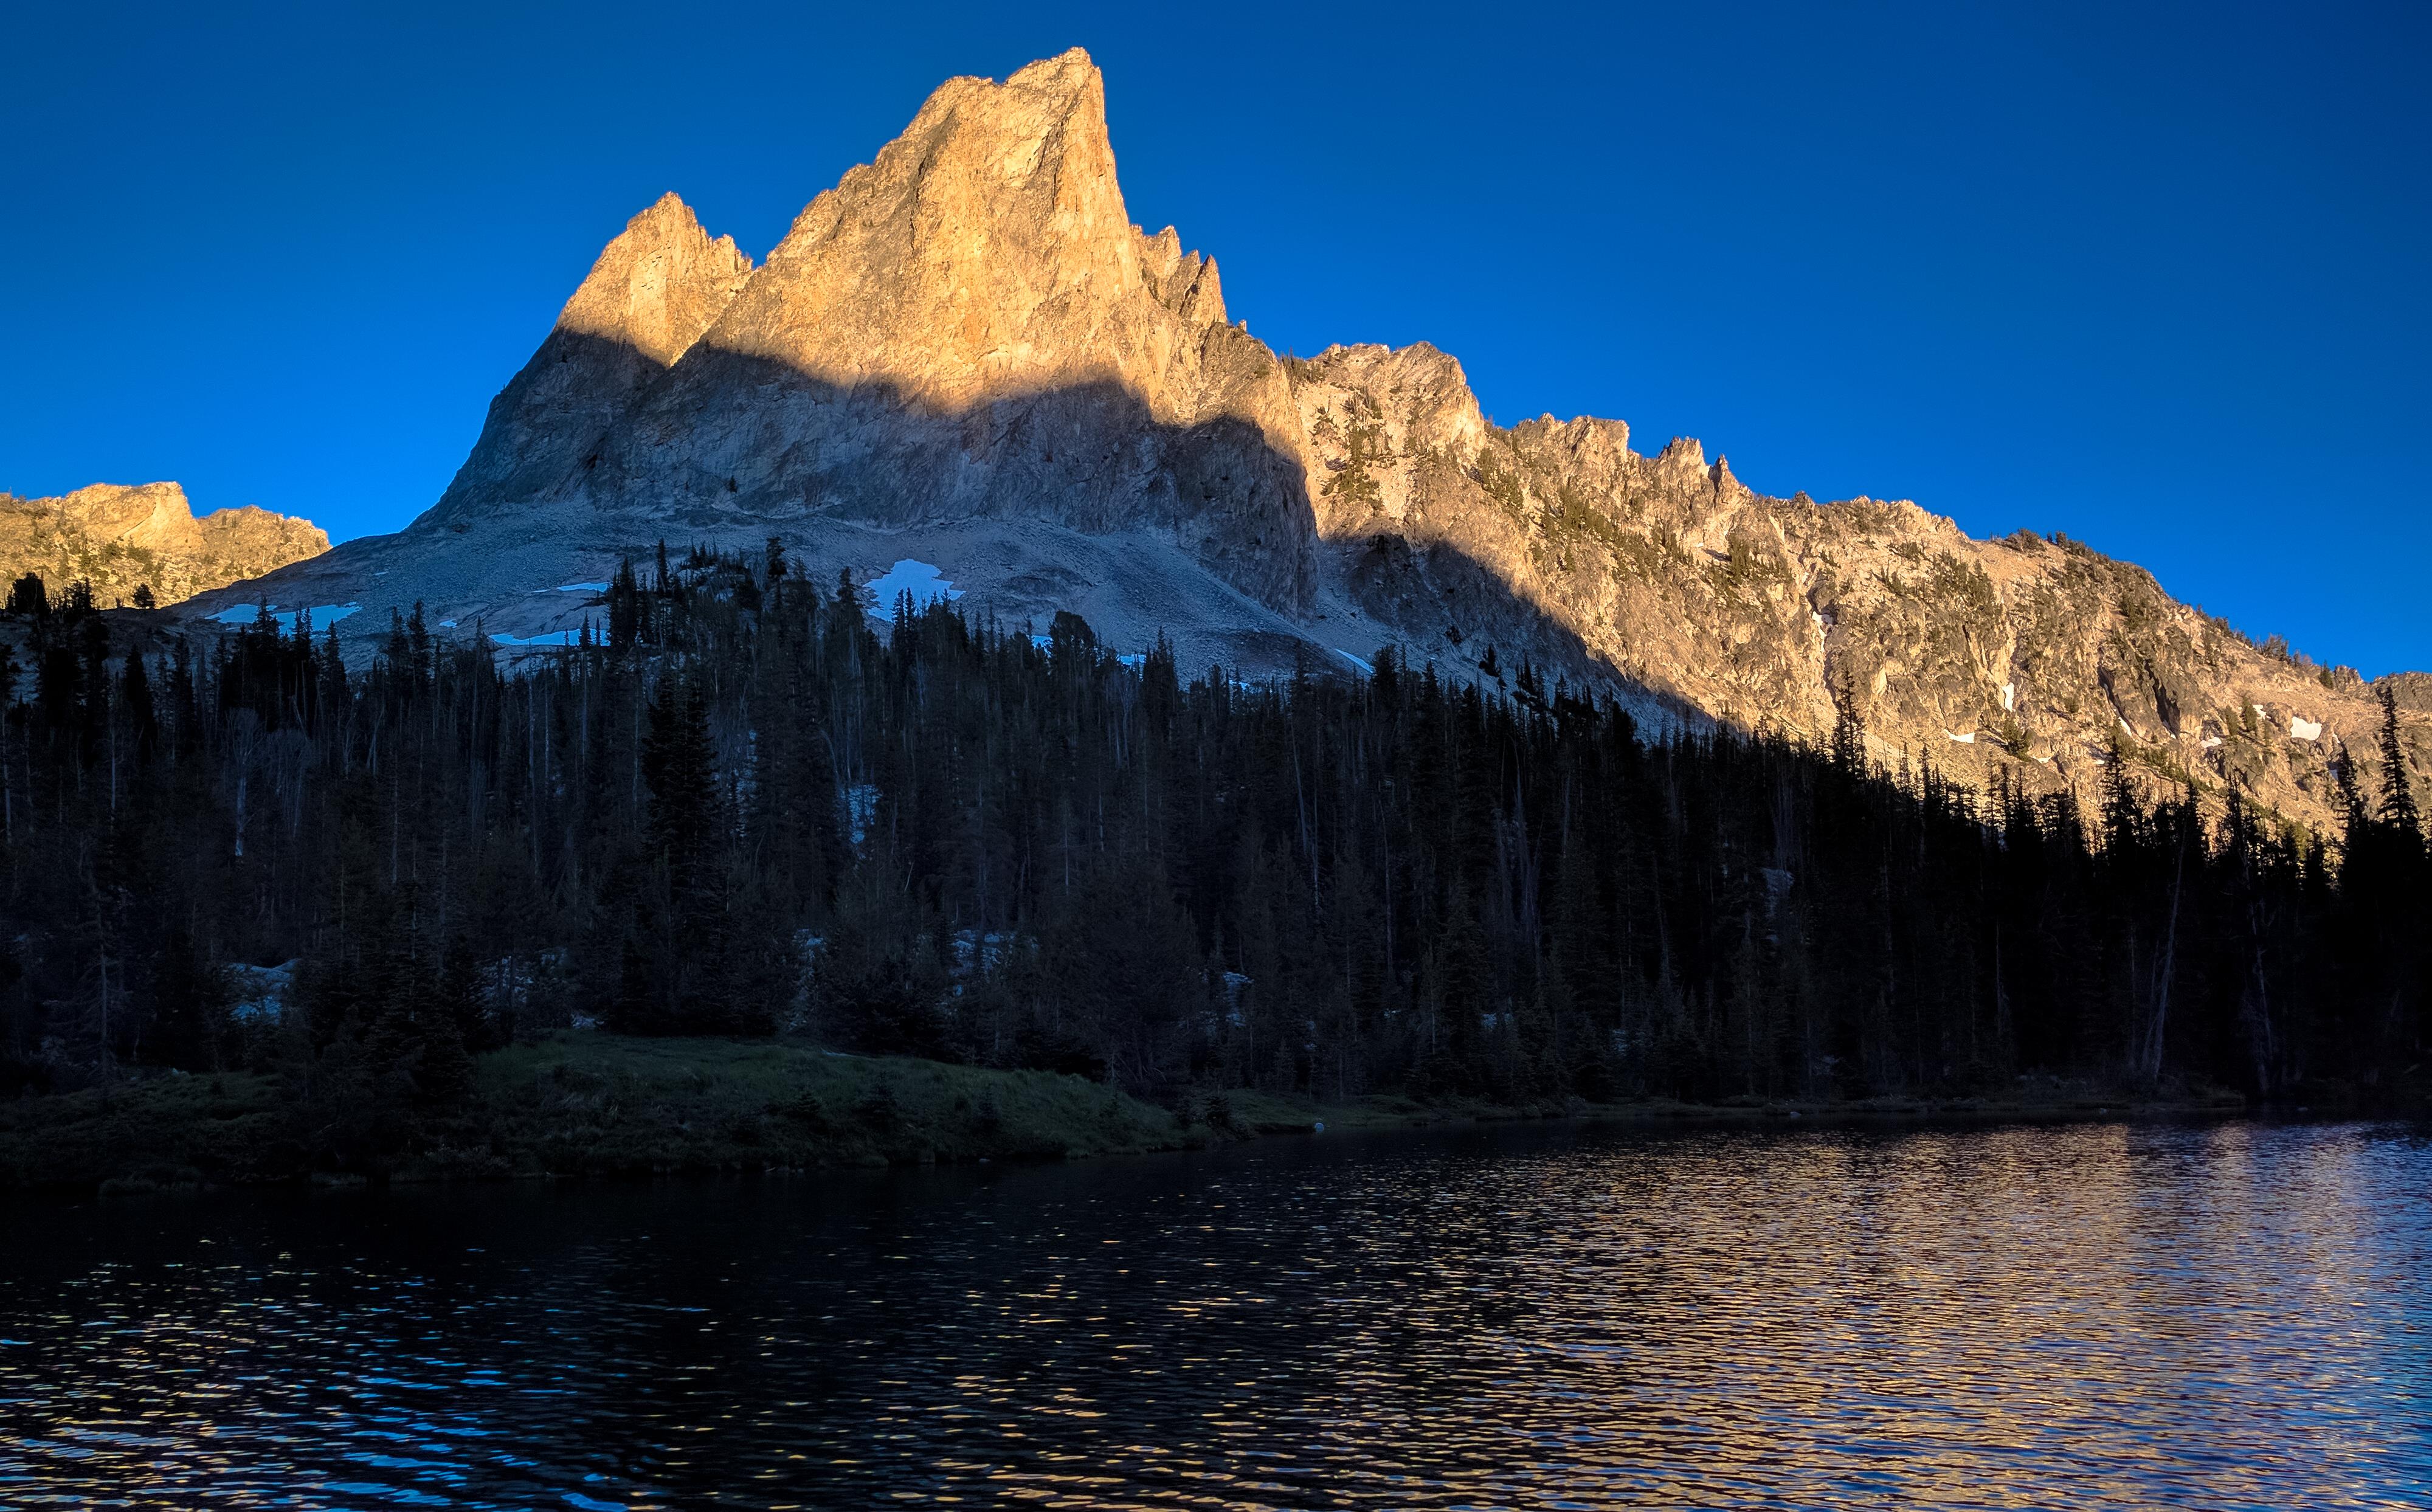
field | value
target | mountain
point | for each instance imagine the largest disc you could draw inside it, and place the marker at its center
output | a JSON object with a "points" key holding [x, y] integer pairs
{"points": [[2027, 658], [965, 354], [655, 289], [120, 538]]}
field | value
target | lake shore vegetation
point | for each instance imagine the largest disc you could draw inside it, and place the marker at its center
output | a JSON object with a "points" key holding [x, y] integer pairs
{"points": [[592, 1104]]}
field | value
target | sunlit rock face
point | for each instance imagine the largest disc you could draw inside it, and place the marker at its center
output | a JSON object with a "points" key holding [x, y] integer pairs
{"points": [[966, 354], [970, 327], [120, 538], [2023, 659]]}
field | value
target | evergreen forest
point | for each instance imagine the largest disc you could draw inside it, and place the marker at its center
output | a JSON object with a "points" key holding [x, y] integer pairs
{"points": [[747, 806]]}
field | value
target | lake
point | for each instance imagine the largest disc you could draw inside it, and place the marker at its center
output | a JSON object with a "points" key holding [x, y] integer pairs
{"points": [[2227, 1315]]}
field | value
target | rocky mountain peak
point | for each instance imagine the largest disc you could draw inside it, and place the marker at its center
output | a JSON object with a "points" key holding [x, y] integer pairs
{"points": [[985, 251], [969, 327], [656, 288], [658, 285]]}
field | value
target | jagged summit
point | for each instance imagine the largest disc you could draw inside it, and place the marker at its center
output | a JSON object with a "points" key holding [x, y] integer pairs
{"points": [[659, 285], [965, 353], [986, 251], [654, 289]]}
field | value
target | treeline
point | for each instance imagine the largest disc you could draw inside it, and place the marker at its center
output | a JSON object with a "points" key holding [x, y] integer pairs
{"points": [[744, 810]]}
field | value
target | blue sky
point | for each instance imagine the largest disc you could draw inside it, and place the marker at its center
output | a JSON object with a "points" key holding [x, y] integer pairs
{"points": [[2151, 276]]}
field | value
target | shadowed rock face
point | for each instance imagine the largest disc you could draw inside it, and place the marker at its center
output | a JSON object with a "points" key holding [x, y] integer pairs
{"points": [[647, 300], [965, 352], [118, 538]]}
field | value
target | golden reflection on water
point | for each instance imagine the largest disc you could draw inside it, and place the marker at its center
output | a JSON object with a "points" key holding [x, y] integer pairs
{"points": [[2231, 1314]]}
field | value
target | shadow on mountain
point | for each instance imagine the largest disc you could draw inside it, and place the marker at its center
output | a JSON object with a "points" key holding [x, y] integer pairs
{"points": [[727, 447], [1452, 606]]}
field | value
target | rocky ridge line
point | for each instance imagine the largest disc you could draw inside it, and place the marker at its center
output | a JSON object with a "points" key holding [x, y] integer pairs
{"points": [[120, 538], [2025, 659]]}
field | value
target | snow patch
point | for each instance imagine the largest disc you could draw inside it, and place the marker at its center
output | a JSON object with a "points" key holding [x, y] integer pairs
{"points": [[922, 582], [322, 617], [2210, 741], [583, 587], [572, 637], [1365, 668], [2304, 729], [2009, 697], [1967, 739]]}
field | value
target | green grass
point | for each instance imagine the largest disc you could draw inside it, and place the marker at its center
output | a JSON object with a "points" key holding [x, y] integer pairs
{"points": [[604, 1105], [172, 1131], [589, 1104]]}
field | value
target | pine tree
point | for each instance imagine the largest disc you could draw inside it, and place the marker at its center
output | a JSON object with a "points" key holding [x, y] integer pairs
{"points": [[2398, 808], [28, 596]]}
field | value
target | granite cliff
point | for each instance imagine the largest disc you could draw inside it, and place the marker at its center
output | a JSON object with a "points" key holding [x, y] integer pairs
{"points": [[965, 353], [120, 539]]}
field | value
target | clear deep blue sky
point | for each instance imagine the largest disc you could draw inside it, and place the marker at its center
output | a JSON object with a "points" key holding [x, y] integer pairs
{"points": [[2151, 276]]}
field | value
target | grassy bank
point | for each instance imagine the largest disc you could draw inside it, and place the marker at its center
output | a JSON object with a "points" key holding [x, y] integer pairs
{"points": [[593, 1105], [583, 1105]]}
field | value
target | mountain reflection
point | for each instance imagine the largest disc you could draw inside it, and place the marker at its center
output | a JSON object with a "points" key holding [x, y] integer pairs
{"points": [[2109, 1315]]}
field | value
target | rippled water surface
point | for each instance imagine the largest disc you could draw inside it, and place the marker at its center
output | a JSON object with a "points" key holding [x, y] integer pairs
{"points": [[2217, 1317]]}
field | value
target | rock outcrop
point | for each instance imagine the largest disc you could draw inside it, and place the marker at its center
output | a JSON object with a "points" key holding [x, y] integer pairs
{"points": [[966, 353], [120, 539]]}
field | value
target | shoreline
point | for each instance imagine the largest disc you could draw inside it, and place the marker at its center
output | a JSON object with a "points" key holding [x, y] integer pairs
{"points": [[588, 1106]]}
